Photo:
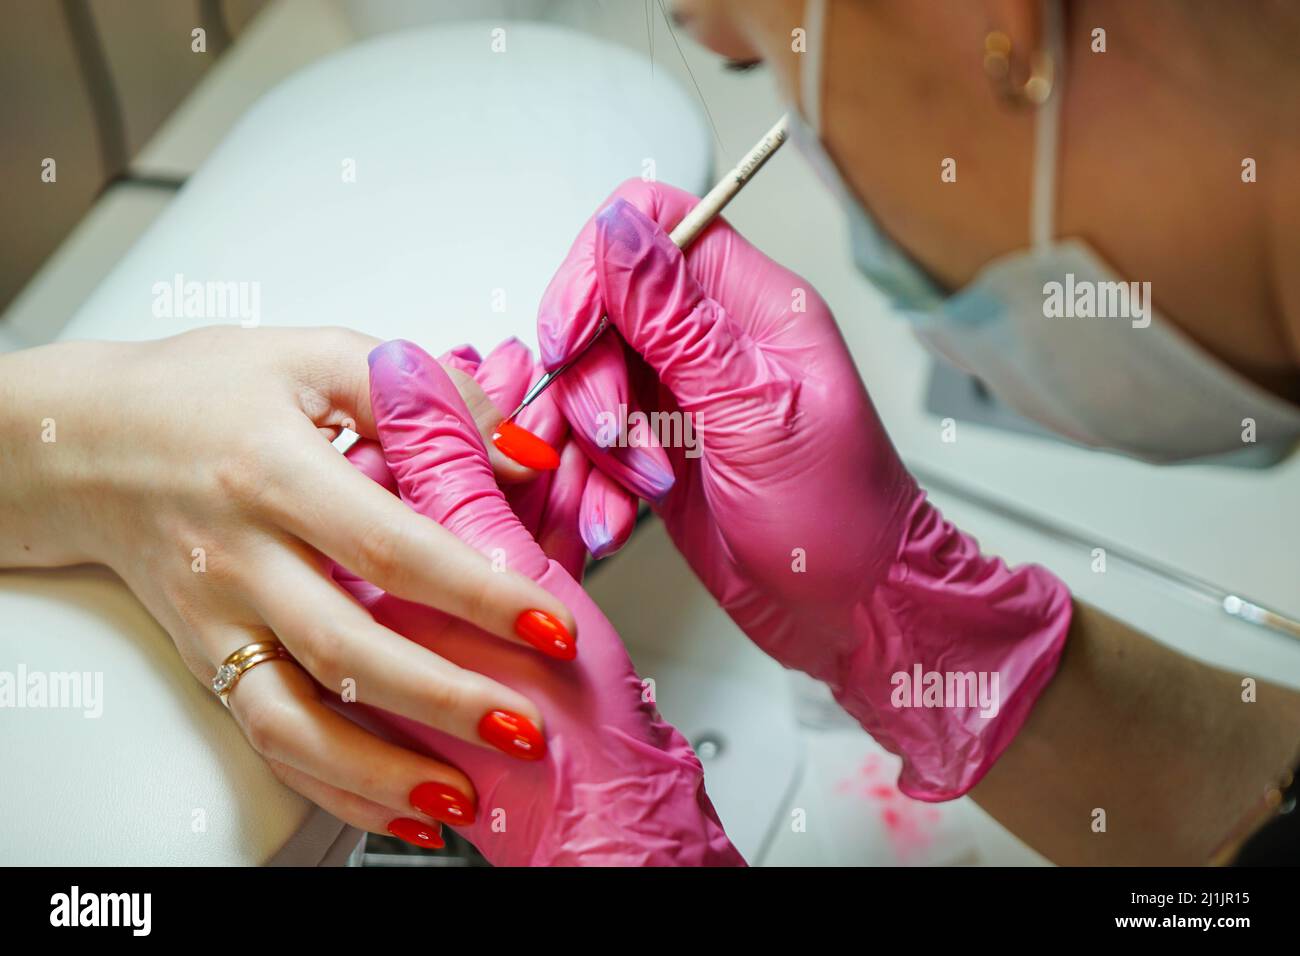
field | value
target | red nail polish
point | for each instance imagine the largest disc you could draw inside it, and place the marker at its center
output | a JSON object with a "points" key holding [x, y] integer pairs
{"points": [[523, 446], [512, 734], [546, 633], [416, 833], [443, 803]]}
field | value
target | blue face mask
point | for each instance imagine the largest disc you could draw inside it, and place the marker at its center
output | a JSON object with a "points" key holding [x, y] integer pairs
{"points": [[1053, 331]]}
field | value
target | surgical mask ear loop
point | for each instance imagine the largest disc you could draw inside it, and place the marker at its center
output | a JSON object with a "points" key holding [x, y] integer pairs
{"points": [[810, 72], [1046, 66]]}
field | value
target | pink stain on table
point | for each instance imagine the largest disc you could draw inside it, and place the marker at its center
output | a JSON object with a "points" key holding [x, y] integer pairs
{"points": [[908, 823]]}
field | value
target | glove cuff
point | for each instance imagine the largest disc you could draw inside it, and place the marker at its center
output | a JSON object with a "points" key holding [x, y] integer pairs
{"points": [[953, 650]]}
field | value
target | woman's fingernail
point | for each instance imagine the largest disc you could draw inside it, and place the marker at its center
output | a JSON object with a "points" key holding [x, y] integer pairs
{"points": [[443, 803], [521, 445], [512, 734], [416, 833], [546, 633]]}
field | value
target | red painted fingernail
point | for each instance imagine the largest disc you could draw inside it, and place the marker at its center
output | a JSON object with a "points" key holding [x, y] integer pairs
{"points": [[416, 833], [546, 633], [512, 734], [443, 803], [523, 446]]}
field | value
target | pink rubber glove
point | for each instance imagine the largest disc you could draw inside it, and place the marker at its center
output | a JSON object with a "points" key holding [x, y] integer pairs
{"points": [[555, 504], [798, 515], [555, 507], [616, 785]]}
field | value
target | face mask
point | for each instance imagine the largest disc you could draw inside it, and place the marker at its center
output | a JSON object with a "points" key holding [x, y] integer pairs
{"points": [[1053, 331]]}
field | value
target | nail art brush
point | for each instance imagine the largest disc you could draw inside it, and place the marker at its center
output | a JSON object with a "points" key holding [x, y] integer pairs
{"points": [[685, 232]]}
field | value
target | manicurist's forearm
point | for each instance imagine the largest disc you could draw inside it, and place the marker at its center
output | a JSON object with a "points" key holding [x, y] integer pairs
{"points": [[1163, 745]]}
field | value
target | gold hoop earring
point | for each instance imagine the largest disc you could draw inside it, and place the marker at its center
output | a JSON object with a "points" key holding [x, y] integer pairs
{"points": [[997, 65]]}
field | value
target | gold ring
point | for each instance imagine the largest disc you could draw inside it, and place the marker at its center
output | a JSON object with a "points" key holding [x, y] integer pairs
{"points": [[242, 661]]}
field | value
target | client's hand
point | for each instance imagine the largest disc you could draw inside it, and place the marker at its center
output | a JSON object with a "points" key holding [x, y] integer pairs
{"points": [[611, 783], [199, 469]]}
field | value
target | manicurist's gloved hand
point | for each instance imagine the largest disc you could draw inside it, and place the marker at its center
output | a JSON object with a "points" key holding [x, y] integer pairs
{"points": [[607, 782], [553, 505], [794, 510], [557, 505]]}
